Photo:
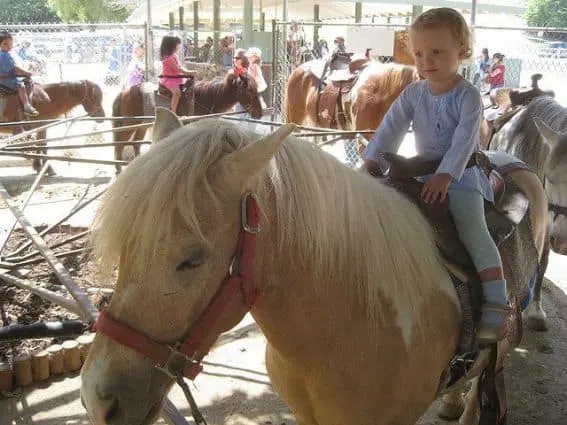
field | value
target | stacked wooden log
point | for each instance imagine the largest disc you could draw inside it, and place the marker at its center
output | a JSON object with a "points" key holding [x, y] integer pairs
{"points": [[40, 365]]}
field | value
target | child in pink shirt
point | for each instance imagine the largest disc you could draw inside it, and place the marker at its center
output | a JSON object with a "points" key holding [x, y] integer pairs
{"points": [[172, 70]]}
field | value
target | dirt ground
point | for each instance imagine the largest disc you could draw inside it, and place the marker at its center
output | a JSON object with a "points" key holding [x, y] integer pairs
{"points": [[234, 388]]}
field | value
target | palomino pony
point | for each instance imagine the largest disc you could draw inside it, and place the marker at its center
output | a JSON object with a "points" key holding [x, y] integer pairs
{"points": [[63, 97], [210, 97], [365, 105], [360, 316], [538, 136]]}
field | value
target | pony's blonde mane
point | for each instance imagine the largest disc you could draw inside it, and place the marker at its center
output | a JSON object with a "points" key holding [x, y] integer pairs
{"points": [[344, 227]]}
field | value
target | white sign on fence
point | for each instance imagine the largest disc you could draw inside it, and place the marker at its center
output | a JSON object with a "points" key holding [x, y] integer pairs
{"points": [[380, 40]]}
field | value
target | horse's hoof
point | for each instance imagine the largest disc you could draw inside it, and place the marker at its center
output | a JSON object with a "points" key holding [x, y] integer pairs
{"points": [[535, 317], [537, 323], [450, 411]]}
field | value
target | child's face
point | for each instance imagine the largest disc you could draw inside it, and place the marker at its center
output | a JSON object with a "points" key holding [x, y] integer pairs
{"points": [[177, 48], [6, 45], [437, 54]]}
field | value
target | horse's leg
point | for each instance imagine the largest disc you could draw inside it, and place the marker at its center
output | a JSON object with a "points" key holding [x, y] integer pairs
{"points": [[535, 193], [471, 414], [535, 314], [140, 134], [42, 135], [290, 387], [452, 404], [118, 156]]}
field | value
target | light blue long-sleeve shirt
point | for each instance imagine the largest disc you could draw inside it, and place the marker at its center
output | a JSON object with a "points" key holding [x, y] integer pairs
{"points": [[446, 126]]}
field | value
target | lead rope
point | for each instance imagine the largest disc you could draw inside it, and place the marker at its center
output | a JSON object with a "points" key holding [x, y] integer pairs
{"points": [[195, 412]]}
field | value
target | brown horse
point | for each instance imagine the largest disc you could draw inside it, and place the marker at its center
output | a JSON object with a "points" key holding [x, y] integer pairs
{"points": [[63, 97], [210, 97], [365, 105]]}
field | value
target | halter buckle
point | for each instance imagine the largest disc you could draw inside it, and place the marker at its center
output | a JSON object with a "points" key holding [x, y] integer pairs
{"points": [[244, 215], [176, 362]]}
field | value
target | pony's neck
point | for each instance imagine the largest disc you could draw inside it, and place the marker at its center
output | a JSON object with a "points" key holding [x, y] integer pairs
{"points": [[64, 97], [214, 96]]}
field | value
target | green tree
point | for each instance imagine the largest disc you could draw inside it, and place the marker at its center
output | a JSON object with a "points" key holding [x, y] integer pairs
{"points": [[91, 10], [547, 13], [26, 12]]}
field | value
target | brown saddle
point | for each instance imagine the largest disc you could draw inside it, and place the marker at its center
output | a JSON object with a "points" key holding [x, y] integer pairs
{"points": [[336, 77], [42, 96]]}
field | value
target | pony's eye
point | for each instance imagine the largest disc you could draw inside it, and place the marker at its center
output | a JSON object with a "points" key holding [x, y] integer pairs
{"points": [[195, 258]]}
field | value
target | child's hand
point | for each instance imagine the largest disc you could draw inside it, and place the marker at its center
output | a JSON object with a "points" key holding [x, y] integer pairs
{"points": [[436, 188], [371, 167]]}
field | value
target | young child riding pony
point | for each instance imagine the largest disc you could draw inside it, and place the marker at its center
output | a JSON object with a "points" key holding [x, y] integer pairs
{"points": [[172, 70], [446, 111], [9, 73]]}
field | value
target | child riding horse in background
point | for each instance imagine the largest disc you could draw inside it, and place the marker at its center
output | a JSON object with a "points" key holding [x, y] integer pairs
{"points": [[9, 73], [172, 69]]}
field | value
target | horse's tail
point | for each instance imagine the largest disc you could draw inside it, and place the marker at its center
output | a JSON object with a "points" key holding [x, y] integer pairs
{"points": [[299, 86]]}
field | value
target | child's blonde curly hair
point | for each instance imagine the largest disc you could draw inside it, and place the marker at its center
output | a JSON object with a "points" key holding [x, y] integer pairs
{"points": [[450, 19]]}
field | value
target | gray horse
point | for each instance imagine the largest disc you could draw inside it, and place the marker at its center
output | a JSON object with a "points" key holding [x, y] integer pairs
{"points": [[538, 136]]}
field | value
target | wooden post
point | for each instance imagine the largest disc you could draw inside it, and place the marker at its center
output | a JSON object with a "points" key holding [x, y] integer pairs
{"points": [[263, 21], [85, 341], [216, 31], [23, 370], [316, 27], [358, 12], [56, 364], [171, 21], [181, 23], [40, 365], [71, 355], [5, 377], [416, 10], [196, 23]]}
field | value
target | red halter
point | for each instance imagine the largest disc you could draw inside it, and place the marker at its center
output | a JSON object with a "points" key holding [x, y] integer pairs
{"points": [[180, 358]]}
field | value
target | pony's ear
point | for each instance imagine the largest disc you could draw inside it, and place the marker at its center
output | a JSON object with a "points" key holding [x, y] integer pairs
{"points": [[550, 136], [166, 123], [245, 163]]}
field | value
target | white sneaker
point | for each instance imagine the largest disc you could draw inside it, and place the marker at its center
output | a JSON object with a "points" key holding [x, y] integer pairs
{"points": [[30, 110]]}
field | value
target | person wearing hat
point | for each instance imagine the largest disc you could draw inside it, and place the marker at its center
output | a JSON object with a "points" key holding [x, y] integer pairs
{"points": [[240, 62], [254, 55], [339, 45]]}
